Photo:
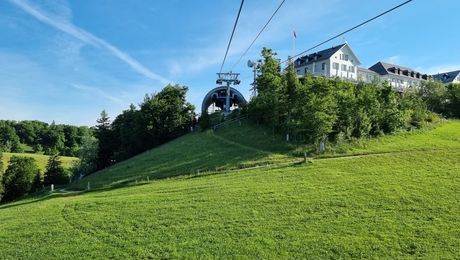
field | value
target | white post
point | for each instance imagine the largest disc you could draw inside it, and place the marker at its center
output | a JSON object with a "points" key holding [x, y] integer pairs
{"points": [[148, 180], [89, 187], [52, 187]]}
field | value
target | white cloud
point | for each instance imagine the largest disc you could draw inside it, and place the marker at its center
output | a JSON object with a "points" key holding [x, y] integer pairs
{"points": [[65, 26], [99, 92], [393, 59], [278, 31], [439, 68]]}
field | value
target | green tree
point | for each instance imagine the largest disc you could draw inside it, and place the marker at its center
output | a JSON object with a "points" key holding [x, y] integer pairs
{"points": [[1, 175], [52, 139], [434, 94], [367, 114], [9, 140], [289, 96], [392, 117], [87, 156], [37, 183], [453, 100], [18, 177], [167, 114], [106, 142], [129, 133], [266, 107], [55, 173]]}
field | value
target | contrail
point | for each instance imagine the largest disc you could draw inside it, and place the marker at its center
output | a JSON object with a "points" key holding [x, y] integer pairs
{"points": [[89, 38]]}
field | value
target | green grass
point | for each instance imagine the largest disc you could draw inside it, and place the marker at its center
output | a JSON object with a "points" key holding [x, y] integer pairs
{"points": [[41, 160], [443, 136], [391, 204], [192, 154]]}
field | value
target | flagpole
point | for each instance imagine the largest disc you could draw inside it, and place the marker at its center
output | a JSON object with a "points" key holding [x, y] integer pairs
{"points": [[293, 43]]}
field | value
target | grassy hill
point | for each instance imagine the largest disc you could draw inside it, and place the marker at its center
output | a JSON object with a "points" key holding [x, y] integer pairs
{"points": [[41, 159], [233, 147], [395, 197]]}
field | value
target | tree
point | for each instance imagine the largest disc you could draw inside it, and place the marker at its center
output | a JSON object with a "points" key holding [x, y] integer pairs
{"points": [[453, 100], [87, 156], [106, 142], [52, 139], [9, 140], [55, 173], [167, 114], [1, 175], [434, 94], [18, 177], [266, 107], [392, 117], [129, 133]]}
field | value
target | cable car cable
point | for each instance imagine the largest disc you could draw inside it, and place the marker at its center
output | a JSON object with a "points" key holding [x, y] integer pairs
{"points": [[260, 32], [231, 37], [349, 30]]}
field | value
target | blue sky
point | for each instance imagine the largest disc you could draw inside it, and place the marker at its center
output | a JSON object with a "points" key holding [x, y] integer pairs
{"points": [[67, 60]]}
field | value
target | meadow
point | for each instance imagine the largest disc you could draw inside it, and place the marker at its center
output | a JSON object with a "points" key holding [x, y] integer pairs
{"points": [[398, 199], [40, 159]]}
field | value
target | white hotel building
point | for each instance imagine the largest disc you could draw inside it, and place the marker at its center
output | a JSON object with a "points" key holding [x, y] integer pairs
{"points": [[340, 61]]}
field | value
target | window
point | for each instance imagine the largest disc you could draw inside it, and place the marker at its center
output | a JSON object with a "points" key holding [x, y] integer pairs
{"points": [[351, 69], [344, 67], [335, 65], [323, 66], [344, 57]]}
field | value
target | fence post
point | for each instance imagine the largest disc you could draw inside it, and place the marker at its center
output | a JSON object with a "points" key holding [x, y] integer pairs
{"points": [[88, 187], [52, 187]]}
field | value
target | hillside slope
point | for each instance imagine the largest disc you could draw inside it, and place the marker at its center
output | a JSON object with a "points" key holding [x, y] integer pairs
{"points": [[398, 204], [234, 147]]}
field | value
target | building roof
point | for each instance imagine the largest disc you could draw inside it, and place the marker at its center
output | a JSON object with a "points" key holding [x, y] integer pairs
{"points": [[366, 70], [384, 68], [447, 77], [318, 56]]}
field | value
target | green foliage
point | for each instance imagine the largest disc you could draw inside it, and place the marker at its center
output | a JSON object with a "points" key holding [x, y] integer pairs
{"points": [[18, 178], [87, 158], [266, 107], [434, 94], [55, 173], [315, 109], [1, 175], [205, 121], [50, 139], [444, 100], [160, 118], [9, 140], [106, 141], [453, 100]]}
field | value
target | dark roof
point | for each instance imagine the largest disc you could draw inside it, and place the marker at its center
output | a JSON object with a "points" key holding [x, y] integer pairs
{"points": [[447, 77], [366, 70], [321, 55], [384, 68]]}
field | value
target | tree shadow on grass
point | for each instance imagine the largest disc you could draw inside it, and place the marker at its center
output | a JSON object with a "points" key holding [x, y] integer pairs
{"points": [[37, 198]]}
